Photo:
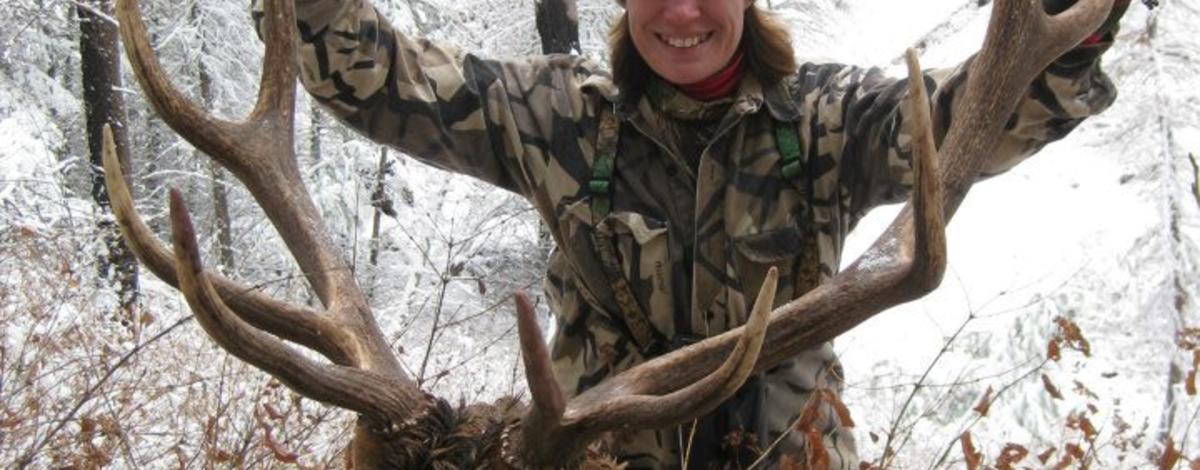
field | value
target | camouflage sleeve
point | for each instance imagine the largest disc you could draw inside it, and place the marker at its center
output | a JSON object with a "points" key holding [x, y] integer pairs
{"points": [[858, 118], [454, 110]]}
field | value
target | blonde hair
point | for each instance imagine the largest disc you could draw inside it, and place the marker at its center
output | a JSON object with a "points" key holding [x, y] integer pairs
{"points": [[766, 43]]}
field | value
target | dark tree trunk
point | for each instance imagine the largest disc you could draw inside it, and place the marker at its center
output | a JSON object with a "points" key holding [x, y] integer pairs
{"points": [[381, 202], [103, 104], [558, 25]]}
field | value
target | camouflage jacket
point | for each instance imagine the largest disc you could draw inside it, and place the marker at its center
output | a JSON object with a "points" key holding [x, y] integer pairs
{"points": [[693, 229]]}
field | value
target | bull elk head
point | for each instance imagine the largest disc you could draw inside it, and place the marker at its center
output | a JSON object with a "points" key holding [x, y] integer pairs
{"points": [[398, 422]]}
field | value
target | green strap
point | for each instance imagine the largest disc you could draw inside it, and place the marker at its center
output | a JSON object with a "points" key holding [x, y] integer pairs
{"points": [[787, 141], [600, 188], [607, 138], [635, 317]]}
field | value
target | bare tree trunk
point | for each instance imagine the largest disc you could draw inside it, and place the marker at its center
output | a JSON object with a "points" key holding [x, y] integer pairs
{"points": [[381, 202], [103, 105], [558, 25], [220, 198], [314, 129]]}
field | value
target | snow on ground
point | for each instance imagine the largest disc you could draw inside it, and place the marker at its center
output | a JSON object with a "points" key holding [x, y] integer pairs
{"points": [[1082, 230]]}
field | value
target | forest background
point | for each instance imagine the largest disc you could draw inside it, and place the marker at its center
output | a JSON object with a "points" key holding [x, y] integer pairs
{"points": [[1066, 332]]}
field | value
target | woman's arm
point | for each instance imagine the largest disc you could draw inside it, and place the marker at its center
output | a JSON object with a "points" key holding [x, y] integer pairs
{"points": [[858, 119], [489, 119]]}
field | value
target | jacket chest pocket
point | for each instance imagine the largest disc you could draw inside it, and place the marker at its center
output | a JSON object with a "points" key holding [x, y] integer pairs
{"points": [[792, 249], [623, 259]]}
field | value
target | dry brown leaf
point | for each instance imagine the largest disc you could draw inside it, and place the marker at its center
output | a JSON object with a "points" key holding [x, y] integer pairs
{"points": [[810, 413], [1082, 390], [281, 454], [974, 459], [1010, 455], [1188, 338], [1079, 421], [273, 413], [1170, 456], [788, 462], [818, 457], [1050, 388], [1190, 384], [11, 420], [180, 456], [87, 425], [1074, 336], [843, 413], [1052, 351], [984, 403], [1089, 431], [1046, 454], [211, 450], [1074, 450]]}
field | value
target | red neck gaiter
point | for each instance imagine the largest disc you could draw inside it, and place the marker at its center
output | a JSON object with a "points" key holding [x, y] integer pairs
{"points": [[718, 85]]}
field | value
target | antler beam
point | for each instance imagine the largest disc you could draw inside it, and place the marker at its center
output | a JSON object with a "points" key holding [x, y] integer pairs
{"points": [[907, 261], [365, 375]]}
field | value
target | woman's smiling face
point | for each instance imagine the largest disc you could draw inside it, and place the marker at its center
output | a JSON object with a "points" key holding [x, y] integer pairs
{"points": [[686, 41]]}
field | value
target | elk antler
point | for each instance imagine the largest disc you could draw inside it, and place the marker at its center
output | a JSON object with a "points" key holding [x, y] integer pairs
{"points": [[259, 152], [908, 260], [365, 376]]}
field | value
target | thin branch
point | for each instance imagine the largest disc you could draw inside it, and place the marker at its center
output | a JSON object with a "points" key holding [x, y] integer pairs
{"points": [[917, 387], [88, 394]]}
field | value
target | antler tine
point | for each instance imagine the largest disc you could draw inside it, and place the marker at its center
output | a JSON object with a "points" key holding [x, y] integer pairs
{"points": [[1022, 40], [291, 322], [185, 117], [1070, 27], [697, 398], [260, 153], [929, 241], [1027, 20], [552, 434], [276, 90], [356, 389], [225, 141], [367, 376], [905, 262], [548, 404]]}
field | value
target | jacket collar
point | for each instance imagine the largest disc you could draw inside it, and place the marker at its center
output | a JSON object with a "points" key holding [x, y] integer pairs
{"points": [[750, 97]]}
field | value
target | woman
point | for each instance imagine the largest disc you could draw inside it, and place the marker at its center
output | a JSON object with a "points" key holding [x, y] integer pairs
{"points": [[671, 186]]}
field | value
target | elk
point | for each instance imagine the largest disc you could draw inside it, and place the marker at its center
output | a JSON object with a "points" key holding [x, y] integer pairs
{"points": [[399, 425]]}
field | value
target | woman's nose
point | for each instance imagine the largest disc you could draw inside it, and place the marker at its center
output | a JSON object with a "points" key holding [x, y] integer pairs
{"points": [[682, 10]]}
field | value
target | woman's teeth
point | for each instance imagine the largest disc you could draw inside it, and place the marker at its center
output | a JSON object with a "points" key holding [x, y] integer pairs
{"points": [[684, 42]]}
